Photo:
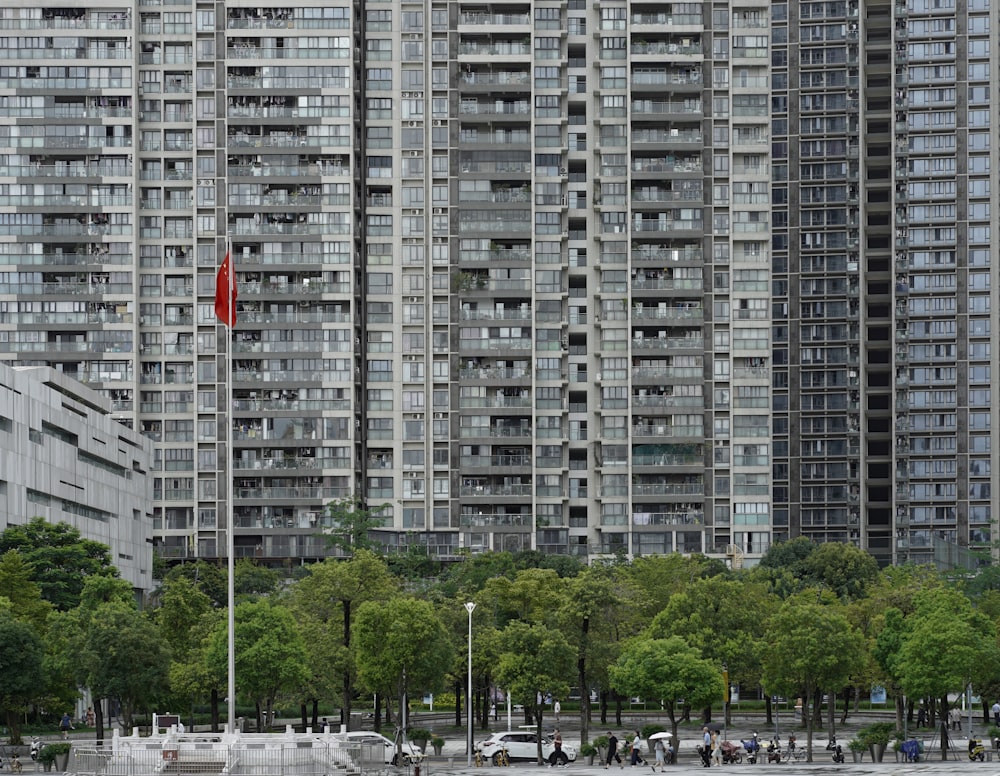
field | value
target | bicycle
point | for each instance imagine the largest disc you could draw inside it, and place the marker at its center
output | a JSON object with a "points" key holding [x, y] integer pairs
{"points": [[501, 758], [10, 759], [793, 752]]}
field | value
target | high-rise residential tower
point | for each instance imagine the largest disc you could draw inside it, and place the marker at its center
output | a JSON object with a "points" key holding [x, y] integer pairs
{"points": [[585, 278]]}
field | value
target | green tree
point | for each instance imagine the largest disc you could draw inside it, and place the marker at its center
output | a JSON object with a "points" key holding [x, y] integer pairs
{"points": [[251, 580], [182, 610], [946, 645], [351, 525], [399, 644], [724, 620], [207, 577], [16, 585], [809, 646], [588, 616], [21, 674], [193, 674], [270, 654], [670, 671], [324, 604], [843, 568], [122, 656], [534, 660], [789, 554], [658, 577], [59, 557]]}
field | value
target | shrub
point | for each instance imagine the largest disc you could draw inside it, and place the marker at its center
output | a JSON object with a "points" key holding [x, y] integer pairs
{"points": [[877, 734], [648, 730], [588, 750], [420, 734]]}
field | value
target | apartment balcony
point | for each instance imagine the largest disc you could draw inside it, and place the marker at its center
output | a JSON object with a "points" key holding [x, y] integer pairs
{"points": [[494, 373], [667, 164], [487, 489], [658, 401], [497, 431], [512, 461], [643, 109], [642, 430], [495, 79], [653, 139], [657, 344], [491, 21], [497, 48], [679, 517], [679, 314], [255, 52], [667, 48], [666, 20], [516, 109], [658, 374]]}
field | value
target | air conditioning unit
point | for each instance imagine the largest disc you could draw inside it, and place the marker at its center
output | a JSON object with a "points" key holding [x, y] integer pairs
{"points": [[439, 211], [414, 153], [438, 123], [413, 123], [414, 299]]}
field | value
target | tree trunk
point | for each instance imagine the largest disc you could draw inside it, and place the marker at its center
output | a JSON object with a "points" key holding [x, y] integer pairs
{"points": [[304, 712], [618, 710], [213, 704], [345, 704], [99, 719], [847, 705], [831, 715], [581, 678], [538, 730], [258, 723], [900, 712], [768, 712], [944, 727], [807, 715], [603, 707], [315, 714], [458, 704]]}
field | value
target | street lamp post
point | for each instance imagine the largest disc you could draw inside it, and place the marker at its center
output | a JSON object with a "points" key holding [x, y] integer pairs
{"points": [[469, 607]]}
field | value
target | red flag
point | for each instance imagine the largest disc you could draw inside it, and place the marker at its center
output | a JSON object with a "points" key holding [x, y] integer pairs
{"points": [[225, 294]]}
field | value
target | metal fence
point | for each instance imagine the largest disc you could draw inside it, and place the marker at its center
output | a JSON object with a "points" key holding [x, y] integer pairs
{"points": [[303, 757]]}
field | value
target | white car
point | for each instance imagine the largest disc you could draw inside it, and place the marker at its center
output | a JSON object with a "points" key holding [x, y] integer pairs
{"points": [[387, 745], [521, 745]]}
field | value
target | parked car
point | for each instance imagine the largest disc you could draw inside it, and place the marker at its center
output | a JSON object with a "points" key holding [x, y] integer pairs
{"points": [[521, 745], [388, 746]]}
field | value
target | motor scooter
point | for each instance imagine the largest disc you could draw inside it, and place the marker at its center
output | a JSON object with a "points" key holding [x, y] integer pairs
{"points": [[36, 747], [752, 747], [837, 749]]}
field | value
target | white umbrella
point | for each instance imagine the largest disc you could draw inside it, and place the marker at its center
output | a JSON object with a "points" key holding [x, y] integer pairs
{"points": [[660, 735]]}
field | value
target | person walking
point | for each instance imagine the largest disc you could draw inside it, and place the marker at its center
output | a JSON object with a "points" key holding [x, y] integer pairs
{"points": [[996, 713], [556, 709], [955, 717], [921, 715], [66, 725], [637, 750], [557, 757], [660, 751], [716, 748], [705, 750], [613, 751]]}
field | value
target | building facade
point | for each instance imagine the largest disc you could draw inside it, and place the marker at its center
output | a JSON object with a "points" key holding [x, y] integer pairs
{"points": [[589, 278], [63, 457]]}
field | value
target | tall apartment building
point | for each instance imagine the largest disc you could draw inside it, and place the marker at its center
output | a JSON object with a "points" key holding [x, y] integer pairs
{"points": [[585, 278]]}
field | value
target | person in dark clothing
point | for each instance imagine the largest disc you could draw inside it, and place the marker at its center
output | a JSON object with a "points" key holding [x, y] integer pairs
{"points": [[613, 751]]}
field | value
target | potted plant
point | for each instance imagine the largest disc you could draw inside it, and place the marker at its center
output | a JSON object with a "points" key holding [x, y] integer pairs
{"points": [[420, 737], [601, 745], [876, 737], [588, 752], [857, 747], [55, 754], [437, 743]]}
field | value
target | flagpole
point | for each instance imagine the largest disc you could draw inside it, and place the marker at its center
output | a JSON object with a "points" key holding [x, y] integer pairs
{"points": [[231, 512]]}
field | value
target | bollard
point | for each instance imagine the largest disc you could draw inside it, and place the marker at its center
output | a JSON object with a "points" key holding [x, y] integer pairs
{"points": [[416, 770]]}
